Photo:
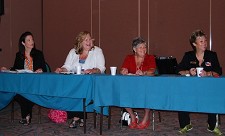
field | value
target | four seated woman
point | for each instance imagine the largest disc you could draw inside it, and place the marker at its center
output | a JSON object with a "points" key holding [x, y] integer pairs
{"points": [[92, 61]]}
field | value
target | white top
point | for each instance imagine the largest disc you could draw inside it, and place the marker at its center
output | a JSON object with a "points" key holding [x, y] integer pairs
{"points": [[95, 59]]}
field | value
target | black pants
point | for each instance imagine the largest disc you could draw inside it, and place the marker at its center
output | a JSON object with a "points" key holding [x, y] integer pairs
{"points": [[71, 114], [25, 105], [184, 119]]}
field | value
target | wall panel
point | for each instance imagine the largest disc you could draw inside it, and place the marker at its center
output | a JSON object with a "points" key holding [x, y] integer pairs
{"points": [[172, 22], [166, 25], [63, 20], [20, 16], [119, 25], [218, 30]]}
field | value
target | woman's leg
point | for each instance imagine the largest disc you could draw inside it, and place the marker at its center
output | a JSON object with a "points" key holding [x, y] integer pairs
{"points": [[72, 114], [211, 121], [146, 116], [132, 115], [146, 121], [133, 122], [25, 105], [184, 119], [26, 109], [212, 125]]}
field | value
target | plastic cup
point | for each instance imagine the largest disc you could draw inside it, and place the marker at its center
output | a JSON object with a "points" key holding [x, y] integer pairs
{"points": [[78, 70], [199, 69], [113, 70]]}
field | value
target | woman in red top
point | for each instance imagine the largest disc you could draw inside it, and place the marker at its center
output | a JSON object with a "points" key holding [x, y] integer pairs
{"points": [[140, 63]]}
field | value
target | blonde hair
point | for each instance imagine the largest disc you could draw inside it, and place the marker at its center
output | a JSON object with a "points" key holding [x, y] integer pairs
{"points": [[79, 39]]}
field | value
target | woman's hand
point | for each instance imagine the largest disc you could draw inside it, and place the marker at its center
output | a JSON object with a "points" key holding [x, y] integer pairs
{"points": [[210, 73], [150, 72], [3, 68], [59, 70], [92, 71], [193, 71], [39, 70], [139, 72], [88, 71], [203, 73], [124, 71]]}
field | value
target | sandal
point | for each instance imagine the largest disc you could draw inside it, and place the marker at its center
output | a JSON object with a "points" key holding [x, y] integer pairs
{"points": [[25, 121], [143, 125], [133, 125], [76, 122], [81, 122], [73, 124]]}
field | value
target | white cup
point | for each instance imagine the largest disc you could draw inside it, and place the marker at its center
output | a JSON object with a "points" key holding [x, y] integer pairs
{"points": [[199, 69], [113, 71], [78, 70]]}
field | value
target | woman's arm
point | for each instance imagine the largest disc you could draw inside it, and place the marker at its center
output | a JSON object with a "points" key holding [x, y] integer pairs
{"points": [[216, 68], [150, 72], [71, 60], [100, 62]]}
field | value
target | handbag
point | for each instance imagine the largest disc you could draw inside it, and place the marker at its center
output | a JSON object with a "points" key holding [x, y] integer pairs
{"points": [[126, 119], [57, 116]]}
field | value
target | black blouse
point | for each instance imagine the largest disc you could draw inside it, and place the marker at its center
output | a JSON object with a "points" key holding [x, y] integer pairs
{"points": [[210, 62], [38, 61]]}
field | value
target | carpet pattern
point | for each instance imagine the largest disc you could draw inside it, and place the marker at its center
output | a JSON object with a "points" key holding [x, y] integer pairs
{"points": [[168, 126]]}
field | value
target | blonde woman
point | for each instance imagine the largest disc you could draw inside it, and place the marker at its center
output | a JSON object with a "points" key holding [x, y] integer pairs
{"points": [[91, 60]]}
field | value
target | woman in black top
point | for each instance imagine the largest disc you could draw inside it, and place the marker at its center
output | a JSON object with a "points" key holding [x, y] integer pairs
{"points": [[199, 57], [32, 59]]}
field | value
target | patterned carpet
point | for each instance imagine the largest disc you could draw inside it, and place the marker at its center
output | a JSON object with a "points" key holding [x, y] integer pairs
{"points": [[167, 127]]}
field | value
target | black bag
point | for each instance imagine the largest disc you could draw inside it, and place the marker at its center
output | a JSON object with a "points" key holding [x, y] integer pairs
{"points": [[126, 119]]}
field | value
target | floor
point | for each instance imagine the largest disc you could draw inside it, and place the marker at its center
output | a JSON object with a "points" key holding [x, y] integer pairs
{"points": [[167, 127]]}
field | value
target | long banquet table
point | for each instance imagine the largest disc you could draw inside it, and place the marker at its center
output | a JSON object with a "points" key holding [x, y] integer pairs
{"points": [[66, 92], [165, 92], [57, 91]]}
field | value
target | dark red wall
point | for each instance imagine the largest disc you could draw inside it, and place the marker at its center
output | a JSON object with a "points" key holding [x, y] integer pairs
{"points": [[19, 16], [165, 24]]}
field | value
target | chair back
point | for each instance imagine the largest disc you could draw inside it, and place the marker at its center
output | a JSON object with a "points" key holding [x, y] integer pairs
{"points": [[166, 65], [47, 67]]}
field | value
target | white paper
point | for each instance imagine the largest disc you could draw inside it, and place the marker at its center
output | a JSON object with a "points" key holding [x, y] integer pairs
{"points": [[24, 71]]}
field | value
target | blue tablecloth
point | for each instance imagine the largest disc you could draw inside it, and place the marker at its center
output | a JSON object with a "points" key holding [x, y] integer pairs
{"points": [[57, 91], [166, 92]]}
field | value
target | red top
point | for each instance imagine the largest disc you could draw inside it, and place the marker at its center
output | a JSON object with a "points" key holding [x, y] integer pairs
{"points": [[130, 64]]}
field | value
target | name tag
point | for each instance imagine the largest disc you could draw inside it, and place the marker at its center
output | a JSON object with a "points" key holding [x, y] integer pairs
{"points": [[192, 62], [208, 64]]}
